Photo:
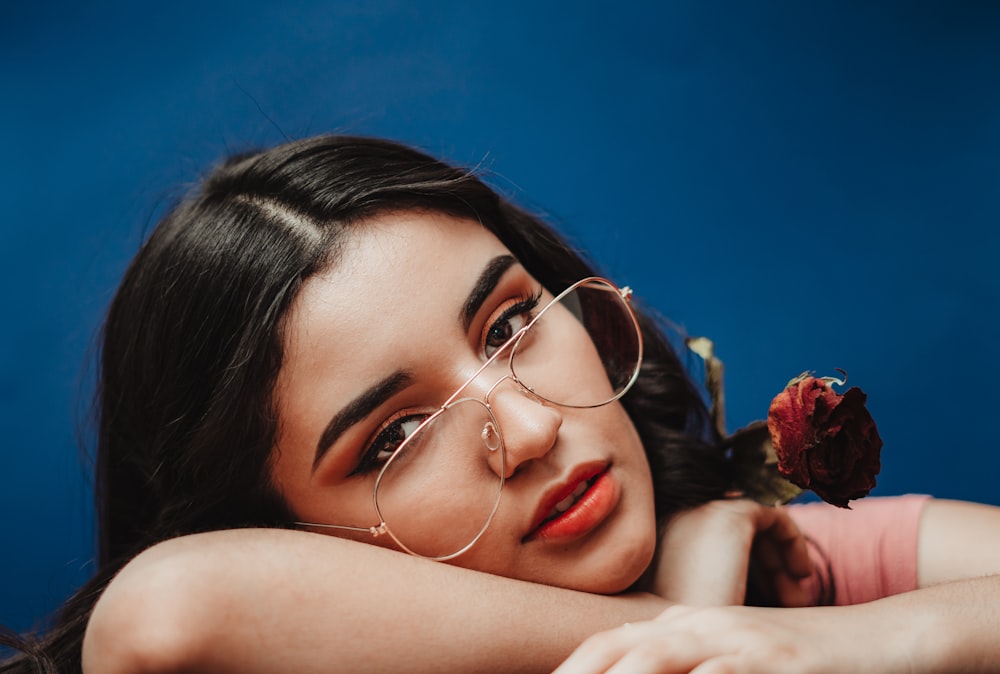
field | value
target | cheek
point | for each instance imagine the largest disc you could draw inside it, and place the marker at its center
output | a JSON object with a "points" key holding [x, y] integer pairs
{"points": [[316, 498], [617, 426]]}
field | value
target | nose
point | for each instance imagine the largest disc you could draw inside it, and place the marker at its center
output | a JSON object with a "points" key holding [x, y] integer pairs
{"points": [[529, 427]]}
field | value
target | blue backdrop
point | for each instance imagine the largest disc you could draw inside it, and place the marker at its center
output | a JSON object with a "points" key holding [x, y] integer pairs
{"points": [[813, 185]]}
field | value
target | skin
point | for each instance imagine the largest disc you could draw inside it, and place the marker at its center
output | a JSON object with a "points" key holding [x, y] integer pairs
{"points": [[257, 600], [704, 554], [702, 560], [183, 605], [415, 271], [949, 624], [264, 601]]}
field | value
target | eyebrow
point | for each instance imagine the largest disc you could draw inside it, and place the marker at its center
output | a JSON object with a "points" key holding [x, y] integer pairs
{"points": [[358, 409], [485, 284]]}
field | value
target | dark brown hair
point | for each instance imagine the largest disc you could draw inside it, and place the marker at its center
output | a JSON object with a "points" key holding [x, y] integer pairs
{"points": [[192, 346]]}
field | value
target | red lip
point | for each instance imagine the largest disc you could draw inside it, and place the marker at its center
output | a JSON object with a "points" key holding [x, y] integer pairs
{"points": [[590, 509]]}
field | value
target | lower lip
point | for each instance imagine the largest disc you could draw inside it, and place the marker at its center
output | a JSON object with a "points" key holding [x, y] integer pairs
{"points": [[585, 515]]}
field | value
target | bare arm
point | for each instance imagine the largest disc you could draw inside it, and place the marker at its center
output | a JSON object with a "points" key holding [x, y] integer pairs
{"points": [[268, 600], [946, 628], [948, 625]]}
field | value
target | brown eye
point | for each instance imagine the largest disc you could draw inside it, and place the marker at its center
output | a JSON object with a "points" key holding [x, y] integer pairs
{"points": [[513, 319], [388, 441], [499, 333]]}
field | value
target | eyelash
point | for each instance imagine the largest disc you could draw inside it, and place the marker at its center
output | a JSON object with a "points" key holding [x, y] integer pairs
{"points": [[371, 459], [525, 304]]}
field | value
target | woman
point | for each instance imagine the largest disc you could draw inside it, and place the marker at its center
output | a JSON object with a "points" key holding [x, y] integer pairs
{"points": [[286, 341]]}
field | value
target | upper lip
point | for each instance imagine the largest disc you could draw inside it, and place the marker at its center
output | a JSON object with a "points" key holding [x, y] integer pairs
{"points": [[563, 488]]}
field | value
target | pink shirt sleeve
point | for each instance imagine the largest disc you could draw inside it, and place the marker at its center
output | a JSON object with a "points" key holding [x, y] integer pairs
{"points": [[862, 554]]}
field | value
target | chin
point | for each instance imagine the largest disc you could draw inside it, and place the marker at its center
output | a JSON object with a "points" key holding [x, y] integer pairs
{"points": [[623, 572], [614, 568]]}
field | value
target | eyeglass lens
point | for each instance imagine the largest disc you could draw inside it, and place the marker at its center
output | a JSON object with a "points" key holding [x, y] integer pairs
{"points": [[438, 493]]}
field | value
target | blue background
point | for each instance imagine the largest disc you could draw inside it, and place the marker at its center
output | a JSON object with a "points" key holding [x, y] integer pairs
{"points": [[814, 185]]}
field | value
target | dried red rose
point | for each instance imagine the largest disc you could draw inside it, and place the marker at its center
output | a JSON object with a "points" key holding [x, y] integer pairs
{"points": [[825, 441]]}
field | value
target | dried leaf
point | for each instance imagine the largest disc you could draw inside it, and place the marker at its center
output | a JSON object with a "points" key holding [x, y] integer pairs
{"points": [[704, 347], [755, 465]]}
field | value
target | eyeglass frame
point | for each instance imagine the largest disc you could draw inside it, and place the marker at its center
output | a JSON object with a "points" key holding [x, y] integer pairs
{"points": [[509, 347]]}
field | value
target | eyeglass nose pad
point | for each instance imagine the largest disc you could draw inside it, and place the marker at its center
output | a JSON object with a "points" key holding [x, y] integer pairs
{"points": [[490, 436]]}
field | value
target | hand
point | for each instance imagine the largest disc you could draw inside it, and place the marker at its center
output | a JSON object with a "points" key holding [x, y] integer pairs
{"points": [[732, 639], [704, 556]]}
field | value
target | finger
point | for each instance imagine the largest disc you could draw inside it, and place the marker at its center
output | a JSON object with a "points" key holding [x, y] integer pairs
{"points": [[768, 555], [662, 646], [725, 664], [674, 650], [777, 528], [791, 592], [601, 651], [774, 558], [743, 663], [657, 657]]}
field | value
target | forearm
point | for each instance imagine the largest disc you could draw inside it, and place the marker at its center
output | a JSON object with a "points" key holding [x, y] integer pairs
{"points": [[266, 600], [954, 627], [944, 629]]}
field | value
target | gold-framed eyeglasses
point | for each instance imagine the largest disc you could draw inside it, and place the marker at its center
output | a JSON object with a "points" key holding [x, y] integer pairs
{"points": [[581, 350]]}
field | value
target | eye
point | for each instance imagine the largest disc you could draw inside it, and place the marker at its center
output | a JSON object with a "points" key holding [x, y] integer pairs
{"points": [[387, 441], [512, 319]]}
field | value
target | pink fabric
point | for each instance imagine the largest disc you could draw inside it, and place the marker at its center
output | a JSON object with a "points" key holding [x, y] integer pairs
{"points": [[862, 554]]}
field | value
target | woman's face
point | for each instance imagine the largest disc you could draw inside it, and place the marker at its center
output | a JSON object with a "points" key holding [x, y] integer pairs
{"points": [[413, 307]]}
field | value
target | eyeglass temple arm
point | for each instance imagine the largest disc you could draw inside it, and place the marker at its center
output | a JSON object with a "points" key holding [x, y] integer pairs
{"points": [[375, 531]]}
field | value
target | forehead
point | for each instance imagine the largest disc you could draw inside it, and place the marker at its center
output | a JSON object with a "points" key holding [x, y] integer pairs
{"points": [[398, 284], [389, 264]]}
